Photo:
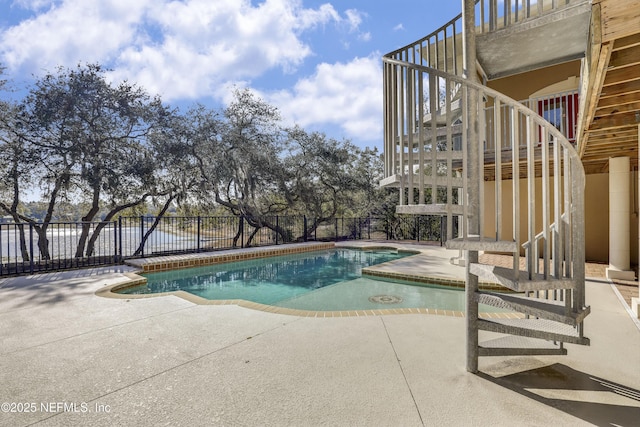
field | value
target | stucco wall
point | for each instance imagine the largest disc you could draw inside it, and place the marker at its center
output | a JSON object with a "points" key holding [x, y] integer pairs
{"points": [[521, 86], [597, 218]]}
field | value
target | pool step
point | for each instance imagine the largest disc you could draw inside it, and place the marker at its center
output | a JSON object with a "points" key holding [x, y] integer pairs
{"points": [[534, 328], [520, 283], [520, 346], [541, 308]]}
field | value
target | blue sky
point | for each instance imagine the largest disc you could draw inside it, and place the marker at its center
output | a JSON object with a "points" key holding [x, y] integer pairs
{"points": [[317, 61]]}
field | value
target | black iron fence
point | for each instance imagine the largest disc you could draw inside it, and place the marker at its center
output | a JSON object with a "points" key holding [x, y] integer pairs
{"points": [[29, 248]]}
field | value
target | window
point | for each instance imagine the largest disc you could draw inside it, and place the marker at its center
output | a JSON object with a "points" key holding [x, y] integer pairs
{"points": [[562, 112]]}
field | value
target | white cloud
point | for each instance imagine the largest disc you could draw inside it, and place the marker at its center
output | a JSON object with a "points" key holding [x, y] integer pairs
{"points": [[177, 48], [70, 32], [355, 19], [398, 27], [365, 37], [346, 95], [199, 49]]}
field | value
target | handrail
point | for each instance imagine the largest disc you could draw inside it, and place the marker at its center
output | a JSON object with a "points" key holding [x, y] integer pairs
{"points": [[494, 94], [436, 127]]}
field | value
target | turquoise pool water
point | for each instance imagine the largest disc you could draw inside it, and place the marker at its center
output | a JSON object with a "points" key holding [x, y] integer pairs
{"points": [[323, 281]]}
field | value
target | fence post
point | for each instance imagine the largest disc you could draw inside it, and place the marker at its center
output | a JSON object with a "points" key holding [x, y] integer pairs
{"points": [[369, 227], [120, 238], [277, 226], [335, 238], [416, 220], [304, 225], [142, 235], [198, 236], [115, 241], [442, 224], [242, 231], [30, 248]]}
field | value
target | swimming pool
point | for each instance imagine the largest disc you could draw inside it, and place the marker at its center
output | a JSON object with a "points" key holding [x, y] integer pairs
{"points": [[325, 280]]}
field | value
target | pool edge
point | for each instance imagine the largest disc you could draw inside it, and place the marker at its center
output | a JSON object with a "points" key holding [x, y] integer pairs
{"points": [[196, 260]]}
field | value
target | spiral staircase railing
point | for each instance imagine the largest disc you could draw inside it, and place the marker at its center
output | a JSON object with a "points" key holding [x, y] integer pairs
{"points": [[530, 185]]}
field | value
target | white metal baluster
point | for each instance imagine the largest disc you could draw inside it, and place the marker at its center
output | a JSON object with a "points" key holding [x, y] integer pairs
{"points": [[449, 152], [421, 136], [497, 128], [434, 102], [401, 130], [465, 161], [410, 118], [482, 137], [515, 160], [568, 225], [531, 193], [558, 236]]}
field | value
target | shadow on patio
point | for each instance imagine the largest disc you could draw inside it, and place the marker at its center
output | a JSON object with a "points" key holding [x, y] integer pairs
{"points": [[592, 399]]}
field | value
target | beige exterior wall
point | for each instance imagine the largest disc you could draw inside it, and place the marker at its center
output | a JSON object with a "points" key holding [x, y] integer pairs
{"points": [[597, 218], [596, 206], [596, 215], [522, 86]]}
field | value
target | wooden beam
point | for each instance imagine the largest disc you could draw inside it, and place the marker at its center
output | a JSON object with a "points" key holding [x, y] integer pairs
{"points": [[593, 94], [624, 58], [620, 89], [597, 142], [620, 18], [627, 42], [627, 98], [618, 109], [606, 145], [615, 121], [606, 133], [600, 141], [622, 75]]}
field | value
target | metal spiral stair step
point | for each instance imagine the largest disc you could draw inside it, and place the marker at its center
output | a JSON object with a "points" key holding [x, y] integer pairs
{"points": [[521, 283], [534, 328], [430, 209], [511, 345], [541, 308], [475, 243]]}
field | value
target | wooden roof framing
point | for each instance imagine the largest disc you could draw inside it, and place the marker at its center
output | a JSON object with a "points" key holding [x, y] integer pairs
{"points": [[608, 126]]}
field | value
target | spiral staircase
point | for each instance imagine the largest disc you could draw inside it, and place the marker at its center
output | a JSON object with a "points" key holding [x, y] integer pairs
{"points": [[512, 182]]}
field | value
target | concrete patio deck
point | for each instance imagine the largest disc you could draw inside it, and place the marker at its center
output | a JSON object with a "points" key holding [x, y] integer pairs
{"points": [[70, 357]]}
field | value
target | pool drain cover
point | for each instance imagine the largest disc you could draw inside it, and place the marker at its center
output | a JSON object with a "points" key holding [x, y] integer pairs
{"points": [[385, 299]]}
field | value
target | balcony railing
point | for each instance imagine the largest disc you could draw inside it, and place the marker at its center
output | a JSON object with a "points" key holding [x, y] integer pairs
{"points": [[560, 109], [442, 49], [493, 15]]}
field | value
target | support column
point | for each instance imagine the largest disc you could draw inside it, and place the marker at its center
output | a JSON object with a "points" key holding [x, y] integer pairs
{"points": [[619, 220], [472, 198]]}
